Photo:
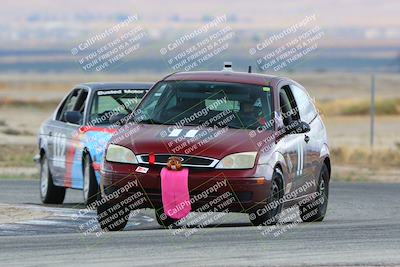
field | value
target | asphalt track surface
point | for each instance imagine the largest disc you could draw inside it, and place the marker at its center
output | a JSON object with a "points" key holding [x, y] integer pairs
{"points": [[361, 228]]}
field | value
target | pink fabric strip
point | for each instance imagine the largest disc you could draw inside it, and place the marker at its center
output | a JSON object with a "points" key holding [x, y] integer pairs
{"points": [[175, 193]]}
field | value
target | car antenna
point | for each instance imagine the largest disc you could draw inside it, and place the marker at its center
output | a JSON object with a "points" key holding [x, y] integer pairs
{"points": [[227, 66], [249, 71]]}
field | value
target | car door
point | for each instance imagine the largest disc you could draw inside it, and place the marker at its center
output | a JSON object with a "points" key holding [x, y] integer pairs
{"points": [[56, 141], [73, 176], [292, 152], [311, 140], [65, 139]]}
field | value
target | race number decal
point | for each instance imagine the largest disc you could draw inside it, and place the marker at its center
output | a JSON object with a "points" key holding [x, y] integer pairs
{"points": [[59, 140], [300, 159]]}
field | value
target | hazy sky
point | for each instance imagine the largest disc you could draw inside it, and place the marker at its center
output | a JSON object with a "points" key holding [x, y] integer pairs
{"points": [[252, 14]]}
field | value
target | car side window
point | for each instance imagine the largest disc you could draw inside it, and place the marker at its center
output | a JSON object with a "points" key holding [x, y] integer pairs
{"points": [[304, 103], [69, 104], [61, 108], [81, 103], [153, 99], [288, 105]]}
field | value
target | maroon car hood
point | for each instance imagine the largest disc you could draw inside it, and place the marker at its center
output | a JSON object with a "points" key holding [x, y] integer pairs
{"points": [[206, 142]]}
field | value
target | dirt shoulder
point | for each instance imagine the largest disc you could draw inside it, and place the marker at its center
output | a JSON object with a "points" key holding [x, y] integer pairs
{"points": [[14, 214]]}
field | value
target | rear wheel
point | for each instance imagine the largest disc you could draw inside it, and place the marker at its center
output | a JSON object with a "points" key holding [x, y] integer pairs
{"points": [[269, 214], [90, 186], [315, 210], [49, 193], [112, 217]]}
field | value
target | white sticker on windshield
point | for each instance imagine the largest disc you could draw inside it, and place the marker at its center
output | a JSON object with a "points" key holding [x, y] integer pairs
{"points": [[109, 92], [129, 91], [175, 132], [191, 133], [257, 103]]}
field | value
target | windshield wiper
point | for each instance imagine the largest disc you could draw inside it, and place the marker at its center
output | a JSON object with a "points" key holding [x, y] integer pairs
{"points": [[234, 126], [197, 123], [155, 122], [150, 121]]}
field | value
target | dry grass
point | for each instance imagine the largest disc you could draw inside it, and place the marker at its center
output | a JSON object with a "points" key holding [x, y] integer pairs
{"points": [[16, 132], [30, 102], [376, 159], [332, 86], [351, 107], [17, 155], [361, 164]]}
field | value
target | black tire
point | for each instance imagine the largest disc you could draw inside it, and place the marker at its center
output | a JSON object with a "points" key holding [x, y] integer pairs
{"points": [[90, 186], [49, 193], [163, 220], [315, 211], [266, 215], [114, 219]]}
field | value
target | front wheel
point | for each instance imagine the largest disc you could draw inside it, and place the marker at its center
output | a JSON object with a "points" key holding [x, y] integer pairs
{"points": [[90, 187], [49, 193], [163, 219], [112, 217], [269, 214], [315, 210]]}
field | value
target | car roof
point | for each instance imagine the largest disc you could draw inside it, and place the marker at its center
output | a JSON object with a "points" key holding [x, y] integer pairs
{"points": [[223, 76], [115, 85]]}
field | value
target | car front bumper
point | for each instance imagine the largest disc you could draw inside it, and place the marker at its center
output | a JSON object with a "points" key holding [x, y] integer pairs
{"points": [[249, 188]]}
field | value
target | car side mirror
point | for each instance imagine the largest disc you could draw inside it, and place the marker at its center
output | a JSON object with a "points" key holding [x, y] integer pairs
{"points": [[298, 127], [73, 117]]}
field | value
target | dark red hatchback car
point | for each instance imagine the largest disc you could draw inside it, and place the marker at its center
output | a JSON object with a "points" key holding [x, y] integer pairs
{"points": [[252, 143]]}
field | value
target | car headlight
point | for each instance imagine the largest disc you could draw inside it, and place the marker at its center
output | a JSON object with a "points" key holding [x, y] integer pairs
{"points": [[120, 154], [244, 160]]}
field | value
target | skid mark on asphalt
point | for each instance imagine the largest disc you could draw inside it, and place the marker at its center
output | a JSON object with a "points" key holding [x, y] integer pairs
{"points": [[67, 220]]}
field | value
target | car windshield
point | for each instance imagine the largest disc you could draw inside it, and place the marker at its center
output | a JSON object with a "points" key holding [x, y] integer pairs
{"points": [[110, 103], [209, 104]]}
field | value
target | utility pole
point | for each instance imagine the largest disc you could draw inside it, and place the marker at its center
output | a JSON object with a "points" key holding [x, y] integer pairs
{"points": [[372, 111]]}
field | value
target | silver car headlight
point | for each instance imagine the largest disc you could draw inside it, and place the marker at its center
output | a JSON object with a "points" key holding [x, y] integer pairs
{"points": [[244, 160], [120, 154]]}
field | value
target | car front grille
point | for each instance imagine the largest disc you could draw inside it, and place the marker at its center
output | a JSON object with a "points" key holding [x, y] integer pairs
{"points": [[187, 160]]}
